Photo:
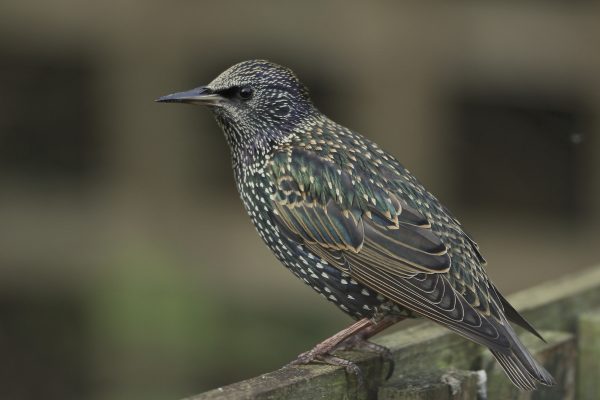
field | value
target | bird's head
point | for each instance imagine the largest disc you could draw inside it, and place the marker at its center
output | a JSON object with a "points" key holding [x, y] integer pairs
{"points": [[256, 102]]}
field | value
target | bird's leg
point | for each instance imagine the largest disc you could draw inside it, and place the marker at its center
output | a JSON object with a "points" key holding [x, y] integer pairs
{"points": [[322, 351], [361, 337], [359, 340]]}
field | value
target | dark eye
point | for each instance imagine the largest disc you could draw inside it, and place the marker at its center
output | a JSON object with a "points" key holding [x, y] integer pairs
{"points": [[246, 92]]}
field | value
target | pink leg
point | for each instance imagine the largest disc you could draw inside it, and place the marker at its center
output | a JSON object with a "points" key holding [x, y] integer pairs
{"points": [[374, 329], [359, 341], [327, 345], [353, 337]]}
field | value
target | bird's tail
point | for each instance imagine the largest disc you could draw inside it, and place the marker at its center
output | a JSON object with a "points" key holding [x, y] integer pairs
{"points": [[520, 366]]}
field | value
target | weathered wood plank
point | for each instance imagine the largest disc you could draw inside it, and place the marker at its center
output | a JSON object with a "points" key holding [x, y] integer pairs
{"points": [[441, 385], [558, 356], [306, 382], [419, 348], [553, 306], [588, 343]]}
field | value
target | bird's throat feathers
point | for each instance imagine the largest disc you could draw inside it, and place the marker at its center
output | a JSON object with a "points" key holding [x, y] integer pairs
{"points": [[249, 143]]}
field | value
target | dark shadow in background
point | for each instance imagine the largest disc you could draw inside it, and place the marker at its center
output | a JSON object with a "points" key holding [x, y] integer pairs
{"points": [[522, 153], [47, 130]]}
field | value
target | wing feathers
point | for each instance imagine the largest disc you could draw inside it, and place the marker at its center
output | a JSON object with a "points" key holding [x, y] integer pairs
{"points": [[398, 240], [428, 297], [514, 316]]}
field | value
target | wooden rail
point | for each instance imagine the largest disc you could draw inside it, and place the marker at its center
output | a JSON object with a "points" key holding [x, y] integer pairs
{"points": [[433, 363]]}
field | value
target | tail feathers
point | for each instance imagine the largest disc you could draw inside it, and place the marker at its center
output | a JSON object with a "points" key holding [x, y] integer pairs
{"points": [[521, 375], [520, 366]]}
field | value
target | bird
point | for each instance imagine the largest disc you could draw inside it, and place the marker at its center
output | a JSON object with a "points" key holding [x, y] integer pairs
{"points": [[353, 223]]}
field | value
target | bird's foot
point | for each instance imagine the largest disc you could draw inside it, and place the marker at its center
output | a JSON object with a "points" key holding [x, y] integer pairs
{"points": [[322, 351], [315, 355], [358, 342]]}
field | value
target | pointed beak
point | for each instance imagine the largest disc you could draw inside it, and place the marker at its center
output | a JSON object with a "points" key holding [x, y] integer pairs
{"points": [[202, 95]]}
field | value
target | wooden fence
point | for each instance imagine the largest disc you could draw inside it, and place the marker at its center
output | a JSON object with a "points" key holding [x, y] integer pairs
{"points": [[433, 363]]}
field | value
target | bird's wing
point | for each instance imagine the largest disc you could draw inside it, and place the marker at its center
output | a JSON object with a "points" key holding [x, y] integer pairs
{"points": [[359, 226], [345, 222]]}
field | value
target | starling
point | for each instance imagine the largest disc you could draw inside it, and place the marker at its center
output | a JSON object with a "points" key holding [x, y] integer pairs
{"points": [[349, 220]]}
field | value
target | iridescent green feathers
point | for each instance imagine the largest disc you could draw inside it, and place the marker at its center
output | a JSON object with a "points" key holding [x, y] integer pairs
{"points": [[329, 208]]}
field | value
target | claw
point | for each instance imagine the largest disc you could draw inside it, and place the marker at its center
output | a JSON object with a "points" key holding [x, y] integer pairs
{"points": [[358, 343], [310, 356], [303, 359], [350, 367]]}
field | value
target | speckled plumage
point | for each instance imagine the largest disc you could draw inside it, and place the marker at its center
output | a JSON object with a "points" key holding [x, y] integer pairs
{"points": [[350, 221]]}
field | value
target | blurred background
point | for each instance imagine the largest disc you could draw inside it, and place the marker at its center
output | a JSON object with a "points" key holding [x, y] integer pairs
{"points": [[128, 268]]}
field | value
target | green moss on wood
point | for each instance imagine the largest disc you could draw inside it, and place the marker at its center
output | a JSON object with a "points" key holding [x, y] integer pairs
{"points": [[588, 344], [440, 385]]}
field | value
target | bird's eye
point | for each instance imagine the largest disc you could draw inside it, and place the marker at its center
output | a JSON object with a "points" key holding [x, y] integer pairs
{"points": [[246, 92]]}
